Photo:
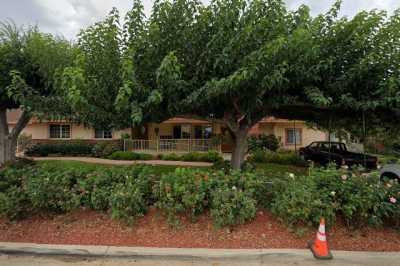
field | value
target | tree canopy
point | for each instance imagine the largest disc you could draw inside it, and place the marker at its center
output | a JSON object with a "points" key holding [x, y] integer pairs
{"points": [[235, 61], [30, 62]]}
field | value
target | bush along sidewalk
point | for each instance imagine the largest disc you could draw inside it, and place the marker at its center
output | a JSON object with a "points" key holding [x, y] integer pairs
{"points": [[73, 148], [229, 199], [112, 150]]}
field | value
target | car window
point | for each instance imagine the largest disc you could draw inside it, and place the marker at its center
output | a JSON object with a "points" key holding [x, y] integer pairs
{"points": [[313, 145], [324, 146]]}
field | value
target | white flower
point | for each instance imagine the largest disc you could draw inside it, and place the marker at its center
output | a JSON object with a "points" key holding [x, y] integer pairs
{"points": [[333, 193], [233, 188], [291, 175], [344, 177], [393, 200], [345, 167]]}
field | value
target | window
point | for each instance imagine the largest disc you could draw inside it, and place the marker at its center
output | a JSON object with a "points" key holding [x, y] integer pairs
{"points": [[293, 136], [60, 131], [202, 132], [102, 134]]}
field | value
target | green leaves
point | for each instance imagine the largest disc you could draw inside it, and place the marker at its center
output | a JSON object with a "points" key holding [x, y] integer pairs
{"points": [[317, 97], [29, 64]]}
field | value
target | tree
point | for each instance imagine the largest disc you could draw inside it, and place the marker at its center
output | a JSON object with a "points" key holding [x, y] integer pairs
{"points": [[30, 62], [239, 61], [232, 61], [356, 80], [91, 84], [235, 61], [101, 86]]}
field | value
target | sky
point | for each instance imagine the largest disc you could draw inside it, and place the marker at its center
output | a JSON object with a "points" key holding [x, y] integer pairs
{"points": [[67, 17]]}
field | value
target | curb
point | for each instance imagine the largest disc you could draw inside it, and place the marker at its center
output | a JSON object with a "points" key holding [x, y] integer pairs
{"points": [[183, 254], [144, 252]]}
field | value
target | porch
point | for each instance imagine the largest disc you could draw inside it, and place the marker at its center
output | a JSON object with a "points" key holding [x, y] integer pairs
{"points": [[171, 145]]}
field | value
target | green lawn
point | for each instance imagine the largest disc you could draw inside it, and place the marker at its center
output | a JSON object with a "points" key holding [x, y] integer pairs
{"points": [[271, 169], [277, 170]]}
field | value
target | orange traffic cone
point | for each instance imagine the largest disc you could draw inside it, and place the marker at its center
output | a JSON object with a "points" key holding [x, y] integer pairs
{"points": [[319, 247]]}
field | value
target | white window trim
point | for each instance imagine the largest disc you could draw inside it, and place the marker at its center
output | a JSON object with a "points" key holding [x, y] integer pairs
{"points": [[296, 141], [102, 135], [60, 125]]}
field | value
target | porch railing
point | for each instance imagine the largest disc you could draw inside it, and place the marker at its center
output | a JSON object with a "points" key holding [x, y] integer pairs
{"points": [[171, 145]]}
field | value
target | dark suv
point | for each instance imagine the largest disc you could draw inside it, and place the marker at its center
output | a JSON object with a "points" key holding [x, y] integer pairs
{"points": [[323, 152]]}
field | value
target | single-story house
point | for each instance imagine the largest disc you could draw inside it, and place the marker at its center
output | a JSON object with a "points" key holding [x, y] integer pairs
{"points": [[175, 134]]}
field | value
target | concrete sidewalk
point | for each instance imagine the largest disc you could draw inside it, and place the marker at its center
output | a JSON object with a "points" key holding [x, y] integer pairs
{"points": [[121, 162], [183, 256]]}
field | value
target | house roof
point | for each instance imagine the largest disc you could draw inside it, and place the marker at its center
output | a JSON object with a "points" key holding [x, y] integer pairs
{"points": [[255, 130], [14, 114], [180, 120], [271, 119]]}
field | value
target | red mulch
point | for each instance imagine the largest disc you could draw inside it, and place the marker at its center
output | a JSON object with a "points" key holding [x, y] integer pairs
{"points": [[93, 228]]}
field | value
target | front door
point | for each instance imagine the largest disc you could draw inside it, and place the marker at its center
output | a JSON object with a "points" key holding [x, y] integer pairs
{"points": [[177, 132]]}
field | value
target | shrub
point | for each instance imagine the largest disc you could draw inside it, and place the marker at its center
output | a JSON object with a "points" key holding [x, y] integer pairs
{"points": [[289, 158], [211, 156], [24, 141], [224, 166], [360, 198], [70, 149], [127, 201], [263, 142], [253, 184], [105, 149], [298, 201], [10, 176], [170, 157], [231, 206], [13, 203], [96, 186], [184, 191], [54, 191], [127, 155]]}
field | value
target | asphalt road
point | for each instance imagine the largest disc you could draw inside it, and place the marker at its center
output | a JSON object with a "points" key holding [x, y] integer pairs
{"points": [[279, 259]]}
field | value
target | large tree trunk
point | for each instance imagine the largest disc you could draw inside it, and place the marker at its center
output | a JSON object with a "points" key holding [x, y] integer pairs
{"points": [[5, 143], [8, 140], [239, 148], [8, 148]]}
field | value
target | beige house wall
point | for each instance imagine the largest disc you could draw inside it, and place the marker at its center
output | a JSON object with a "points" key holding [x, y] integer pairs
{"points": [[41, 131], [36, 131], [308, 134]]}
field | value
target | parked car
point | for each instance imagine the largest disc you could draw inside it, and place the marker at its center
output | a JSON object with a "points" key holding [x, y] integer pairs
{"points": [[323, 152]]}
